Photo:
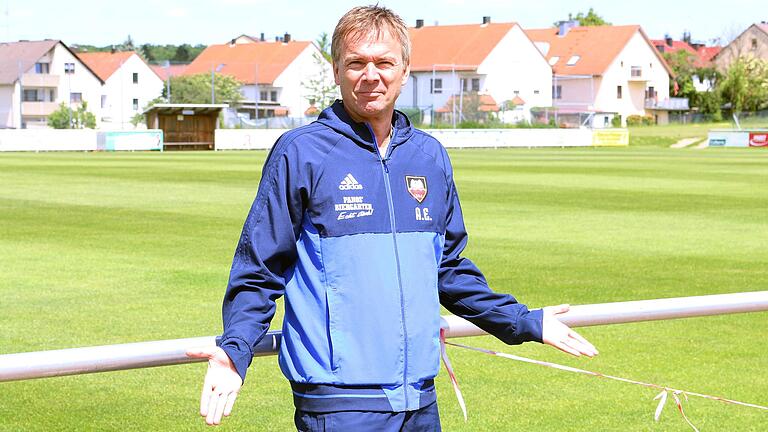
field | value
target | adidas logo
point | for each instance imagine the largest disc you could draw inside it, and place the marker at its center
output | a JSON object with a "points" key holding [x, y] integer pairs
{"points": [[349, 183]]}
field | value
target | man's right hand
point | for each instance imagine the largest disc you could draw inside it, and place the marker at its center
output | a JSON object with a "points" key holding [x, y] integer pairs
{"points": [[221, 386]]}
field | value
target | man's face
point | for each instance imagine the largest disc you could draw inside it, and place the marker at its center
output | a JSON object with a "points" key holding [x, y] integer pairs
{"points": [[370, 74]]}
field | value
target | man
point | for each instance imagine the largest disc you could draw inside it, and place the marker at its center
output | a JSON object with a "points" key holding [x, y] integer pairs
{"points": [[357, 222]]}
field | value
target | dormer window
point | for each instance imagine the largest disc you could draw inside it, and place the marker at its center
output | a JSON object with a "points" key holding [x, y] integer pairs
{"points": [[554, 60], [572, 61]]}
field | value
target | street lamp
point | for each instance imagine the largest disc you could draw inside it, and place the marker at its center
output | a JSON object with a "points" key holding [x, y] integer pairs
{"points": [[213, 86]]}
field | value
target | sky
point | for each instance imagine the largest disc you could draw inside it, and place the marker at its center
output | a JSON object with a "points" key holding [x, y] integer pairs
{"points": [[107, 22]]}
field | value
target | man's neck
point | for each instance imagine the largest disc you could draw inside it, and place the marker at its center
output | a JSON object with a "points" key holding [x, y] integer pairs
{"points": [[381, 126]]}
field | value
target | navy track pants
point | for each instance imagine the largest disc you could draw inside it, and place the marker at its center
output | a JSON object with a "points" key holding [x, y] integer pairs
{"points": [[426, 419]]}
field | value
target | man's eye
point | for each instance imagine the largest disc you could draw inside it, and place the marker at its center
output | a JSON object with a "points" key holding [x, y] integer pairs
{"points": [[385, 65], [355, 65]]}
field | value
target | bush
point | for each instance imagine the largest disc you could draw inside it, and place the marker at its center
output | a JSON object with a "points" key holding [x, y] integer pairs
{"points": [[616, 121], [638, 120]]}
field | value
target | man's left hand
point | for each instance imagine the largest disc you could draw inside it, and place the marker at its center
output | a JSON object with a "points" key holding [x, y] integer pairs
{"points": [[561, 336]]}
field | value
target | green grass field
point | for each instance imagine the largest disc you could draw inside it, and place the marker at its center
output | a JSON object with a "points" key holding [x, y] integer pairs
{"points": [[104, 248]]}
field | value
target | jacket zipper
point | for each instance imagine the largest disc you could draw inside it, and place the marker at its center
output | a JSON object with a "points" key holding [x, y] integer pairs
{"points": [[390, 202]]}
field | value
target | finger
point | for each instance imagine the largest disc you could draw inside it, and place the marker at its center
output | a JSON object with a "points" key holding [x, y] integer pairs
{"points": [[583, 341], [559, 309], [209, 419], [200, 352], [207, 392], [562, 346], [220, 404], [230, 403]]}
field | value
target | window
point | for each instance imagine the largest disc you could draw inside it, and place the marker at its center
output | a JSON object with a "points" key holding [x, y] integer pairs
{"points": [[475, 84], [30, 96], [42, 68], [135, 104], [754, 43], [557, 92], [554, 60], [650, 93], [135, 77], [572, 61], [69, 68], [263, 95], [636, 71], [435, 85], [103, 101], [536, 92], [273, 95], [517, 92], [51, 96], [618, 92], [75, 97]]}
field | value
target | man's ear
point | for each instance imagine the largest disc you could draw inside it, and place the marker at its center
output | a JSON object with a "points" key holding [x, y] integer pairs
{"points": [[406, 74], [336, 73]]}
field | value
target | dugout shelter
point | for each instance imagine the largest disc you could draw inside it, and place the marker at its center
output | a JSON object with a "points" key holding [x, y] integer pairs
{"points": [[185, 126]]}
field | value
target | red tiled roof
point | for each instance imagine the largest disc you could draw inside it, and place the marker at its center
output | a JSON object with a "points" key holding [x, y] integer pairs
{"points": [[466, 46], [104, 64], [703, 55], [597, 47], [249, 63], [170, 71], [518, 101]]}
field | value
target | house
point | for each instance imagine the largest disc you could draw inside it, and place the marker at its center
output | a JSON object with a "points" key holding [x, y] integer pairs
{"points": [[36, 76], [450, 64], [274, 74], [129, 85], [751, 42], [606, 72], [700, 54]]}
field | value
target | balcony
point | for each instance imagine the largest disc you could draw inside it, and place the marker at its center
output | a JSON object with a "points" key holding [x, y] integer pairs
{"points": [[38, 108], [636, 74], [669, 104], [39, 80]]}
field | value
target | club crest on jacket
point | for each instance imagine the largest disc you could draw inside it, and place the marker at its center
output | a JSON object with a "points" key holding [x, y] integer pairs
{"points": [[417, 187]]}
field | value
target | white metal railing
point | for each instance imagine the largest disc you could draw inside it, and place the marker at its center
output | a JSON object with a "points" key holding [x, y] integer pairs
{"points": [[42, 364]]}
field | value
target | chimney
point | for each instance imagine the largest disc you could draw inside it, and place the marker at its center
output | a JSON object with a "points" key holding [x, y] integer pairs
{"points": [[668, 40], [419, 23], [564, 26], [287, 38], [486, 20], [113, 49], [262, 37], [277, 38]]}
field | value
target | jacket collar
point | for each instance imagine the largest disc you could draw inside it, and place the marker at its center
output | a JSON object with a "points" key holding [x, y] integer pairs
{"points": [[337, 118]]}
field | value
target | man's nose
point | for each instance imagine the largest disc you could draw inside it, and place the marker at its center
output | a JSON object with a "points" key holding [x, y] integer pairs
{"points": [[370, 73]]}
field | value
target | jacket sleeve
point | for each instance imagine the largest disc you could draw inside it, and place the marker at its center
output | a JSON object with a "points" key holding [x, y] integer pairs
{"points": [[465, 292], [265, 251]]}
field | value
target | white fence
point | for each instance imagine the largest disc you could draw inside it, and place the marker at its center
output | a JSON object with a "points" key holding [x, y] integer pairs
{"points": [[74, 361], [263, 139], [37, 140], [253, 139]]}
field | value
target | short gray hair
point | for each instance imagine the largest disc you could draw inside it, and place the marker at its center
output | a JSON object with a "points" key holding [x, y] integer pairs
{"points": [[363, 21]]}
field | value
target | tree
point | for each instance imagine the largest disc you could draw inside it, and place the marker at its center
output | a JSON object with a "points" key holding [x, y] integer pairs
{"points": [[197, 88], [321, 89], [182, 54], [146, 52], [745, 84], [66, 118], [591, 18]]}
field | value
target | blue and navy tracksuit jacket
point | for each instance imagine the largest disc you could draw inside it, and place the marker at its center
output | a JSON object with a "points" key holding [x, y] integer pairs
{"points": [[365, 249]]}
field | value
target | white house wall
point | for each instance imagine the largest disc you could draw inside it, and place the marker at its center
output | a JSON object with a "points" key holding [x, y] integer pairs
{"points": [[516, 65], [424, 97], [292, 93], [637, 52], [82, 81], [120, 91], [9, 106]]}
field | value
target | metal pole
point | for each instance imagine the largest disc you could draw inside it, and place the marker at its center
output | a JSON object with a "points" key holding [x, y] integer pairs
{"points": [[213, 92], [42, 364]]}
